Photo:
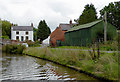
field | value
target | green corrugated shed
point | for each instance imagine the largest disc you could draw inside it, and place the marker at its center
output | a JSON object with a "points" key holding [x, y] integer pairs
{"points": [[83, 35]]}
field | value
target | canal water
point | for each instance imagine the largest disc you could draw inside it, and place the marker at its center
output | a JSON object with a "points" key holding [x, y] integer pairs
{"points": [[22, 67]]}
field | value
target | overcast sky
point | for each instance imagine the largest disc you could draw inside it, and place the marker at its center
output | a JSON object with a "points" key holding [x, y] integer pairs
{"points": [[23, 12]]}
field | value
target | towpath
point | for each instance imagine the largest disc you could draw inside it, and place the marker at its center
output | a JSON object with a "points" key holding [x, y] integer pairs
{"points": [[82, 50]]}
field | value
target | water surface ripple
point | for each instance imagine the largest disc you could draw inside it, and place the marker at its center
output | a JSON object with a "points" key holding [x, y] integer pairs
{"points": [[19, 67]]}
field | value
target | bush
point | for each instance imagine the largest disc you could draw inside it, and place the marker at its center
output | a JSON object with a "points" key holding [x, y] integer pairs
{"points": [[4, 37], [109, 46], [33, 44], [13, 48]]}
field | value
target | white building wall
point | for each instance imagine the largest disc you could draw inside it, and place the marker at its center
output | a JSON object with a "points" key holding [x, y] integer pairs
{"points": [[22, 33], [13, 35], [31, 35]]}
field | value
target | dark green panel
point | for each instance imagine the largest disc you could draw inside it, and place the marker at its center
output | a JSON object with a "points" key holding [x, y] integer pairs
{"points": [[85, 36], [78, 38], [99, 30]]}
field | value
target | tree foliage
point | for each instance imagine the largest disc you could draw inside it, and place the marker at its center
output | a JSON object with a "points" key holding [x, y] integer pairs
{"points": [[6, 28], [35, 33], [0, 27], [113, 13], [43, 31], [88, 15]]}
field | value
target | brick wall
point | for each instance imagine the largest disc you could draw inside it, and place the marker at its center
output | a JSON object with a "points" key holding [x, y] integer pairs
{"points": [[58, 34]]}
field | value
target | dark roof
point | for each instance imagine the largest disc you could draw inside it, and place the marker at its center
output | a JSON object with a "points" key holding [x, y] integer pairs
{"points": [[84, 25], [65, 27], [22, 28]]}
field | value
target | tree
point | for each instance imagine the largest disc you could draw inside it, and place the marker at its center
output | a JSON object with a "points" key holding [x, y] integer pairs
{"points": [[88, 15], [43, 31], [6, 28], [113, 13], [35, 33], [0, 27]]}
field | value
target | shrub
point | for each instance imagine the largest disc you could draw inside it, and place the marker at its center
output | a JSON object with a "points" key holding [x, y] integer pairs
{"points": [[33, 44], [109, 46], [4, 37], [13, 48]]}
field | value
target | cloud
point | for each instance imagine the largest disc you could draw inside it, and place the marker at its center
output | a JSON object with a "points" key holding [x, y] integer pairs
{"points": [[23, 12]]}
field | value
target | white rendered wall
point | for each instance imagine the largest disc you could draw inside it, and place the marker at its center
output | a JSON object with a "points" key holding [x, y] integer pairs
{"points": [[30, 33], [22, 33]]}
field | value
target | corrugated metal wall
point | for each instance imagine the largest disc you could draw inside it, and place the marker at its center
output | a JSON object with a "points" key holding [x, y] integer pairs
{"points": [[78, 38], [84, 37], [111, 31]]}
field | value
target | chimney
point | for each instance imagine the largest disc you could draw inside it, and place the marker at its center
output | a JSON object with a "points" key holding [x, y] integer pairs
{"points": [[12, 24], [31, 24], [70, 21]]}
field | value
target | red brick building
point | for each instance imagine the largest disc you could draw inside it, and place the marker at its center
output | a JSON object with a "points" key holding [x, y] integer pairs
{"points": [[59, 33]]}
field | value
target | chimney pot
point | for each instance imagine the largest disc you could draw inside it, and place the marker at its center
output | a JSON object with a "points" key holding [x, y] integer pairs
{"points": [[70, 21], [31, 24], [12, 24]]}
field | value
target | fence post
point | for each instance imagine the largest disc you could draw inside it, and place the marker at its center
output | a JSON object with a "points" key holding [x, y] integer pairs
{"points": [[98, 48]]}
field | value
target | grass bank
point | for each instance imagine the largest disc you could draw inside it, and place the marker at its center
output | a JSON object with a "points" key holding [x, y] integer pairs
{"points": [[106, 66], [0, 47], [13, 48], [73, 47]]}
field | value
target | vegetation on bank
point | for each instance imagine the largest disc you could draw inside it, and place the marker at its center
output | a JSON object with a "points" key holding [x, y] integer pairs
{"points": [[0, 47], [33, 44], [109, 46], [13, 48], [106, 66], [73, 47], [4, 37]]}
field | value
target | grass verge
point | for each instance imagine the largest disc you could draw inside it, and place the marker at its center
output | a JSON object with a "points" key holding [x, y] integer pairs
{"points": [[109, 46], [106, 66]]}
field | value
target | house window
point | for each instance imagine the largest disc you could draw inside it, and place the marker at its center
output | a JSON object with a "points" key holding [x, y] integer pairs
{"points": [[26, 37], [17, 32], [17, 37], [26, 33]]}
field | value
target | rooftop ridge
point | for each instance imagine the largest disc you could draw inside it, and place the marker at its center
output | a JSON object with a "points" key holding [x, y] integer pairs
{"points": [[22, 28], [87, 25]]}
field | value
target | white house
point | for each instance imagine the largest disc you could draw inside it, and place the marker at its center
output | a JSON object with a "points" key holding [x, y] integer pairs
{"points": [[22, 33]]}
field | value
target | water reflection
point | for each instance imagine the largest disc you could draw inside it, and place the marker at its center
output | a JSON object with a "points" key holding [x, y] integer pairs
{"points": [[18, 67]]}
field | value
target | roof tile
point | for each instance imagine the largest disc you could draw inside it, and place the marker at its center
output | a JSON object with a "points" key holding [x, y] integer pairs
{"points": [[22, 28]]}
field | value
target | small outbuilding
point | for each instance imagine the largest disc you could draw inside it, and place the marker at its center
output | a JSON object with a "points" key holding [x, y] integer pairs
{"points": [[86, 34]]}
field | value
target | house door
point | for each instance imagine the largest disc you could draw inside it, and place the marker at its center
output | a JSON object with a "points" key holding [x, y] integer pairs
{"points": [[22, 38]]}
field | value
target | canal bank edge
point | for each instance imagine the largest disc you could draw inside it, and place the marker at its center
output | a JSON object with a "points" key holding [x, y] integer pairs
{"points": [[75, 68]]}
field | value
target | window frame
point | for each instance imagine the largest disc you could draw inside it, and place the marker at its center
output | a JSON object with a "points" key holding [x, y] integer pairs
{"points": [[27, 37], [26, 32], [17, 32], [22, 38], [17, 37]]}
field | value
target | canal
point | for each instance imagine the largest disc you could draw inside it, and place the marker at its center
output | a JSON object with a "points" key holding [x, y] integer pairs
{"points": [[22, 67]]}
